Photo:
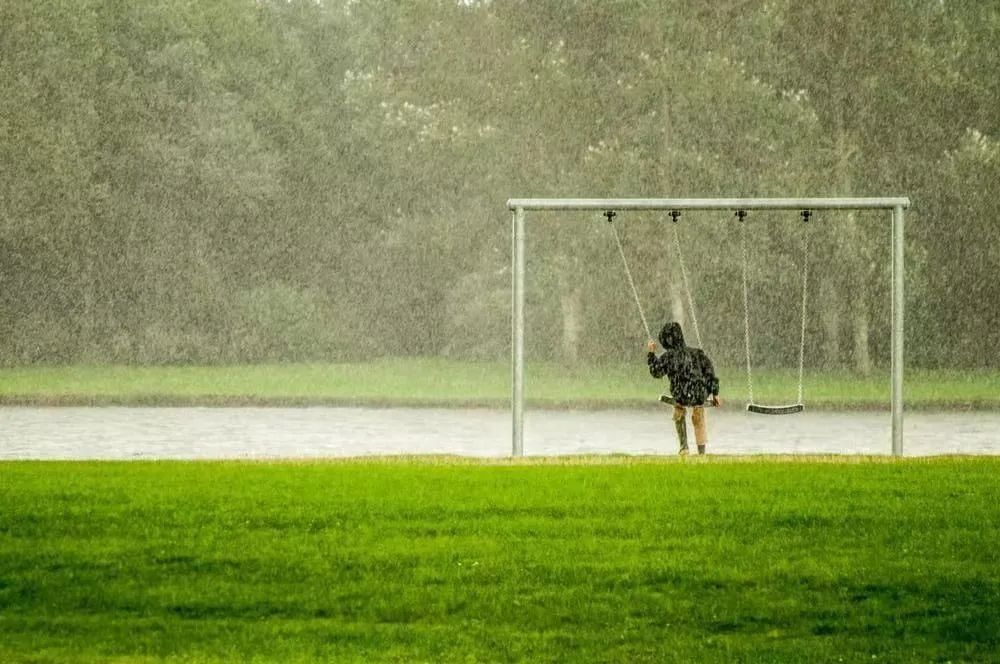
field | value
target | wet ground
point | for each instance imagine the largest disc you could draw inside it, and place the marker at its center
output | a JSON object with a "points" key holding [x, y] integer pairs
{"points": [[217, 433]]}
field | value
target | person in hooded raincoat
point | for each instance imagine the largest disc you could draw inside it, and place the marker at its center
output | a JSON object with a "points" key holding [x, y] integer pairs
{"points": [[693, 382]]}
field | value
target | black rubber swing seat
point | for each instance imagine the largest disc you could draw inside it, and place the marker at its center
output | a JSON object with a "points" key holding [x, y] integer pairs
{"points": [[790, 409], [669, 400]]}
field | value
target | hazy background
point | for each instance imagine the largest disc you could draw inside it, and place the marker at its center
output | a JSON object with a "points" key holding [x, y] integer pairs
{"points": [[245, 181]]}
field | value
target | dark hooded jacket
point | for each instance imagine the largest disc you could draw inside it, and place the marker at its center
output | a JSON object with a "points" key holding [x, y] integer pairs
{"points": [[692, 377]]}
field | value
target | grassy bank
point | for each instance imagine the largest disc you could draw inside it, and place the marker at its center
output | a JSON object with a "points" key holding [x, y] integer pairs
{"points": [[439, 560], [426, 382]]}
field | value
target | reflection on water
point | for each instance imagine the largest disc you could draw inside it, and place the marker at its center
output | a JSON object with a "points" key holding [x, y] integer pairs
{"points": [[189, 433]]}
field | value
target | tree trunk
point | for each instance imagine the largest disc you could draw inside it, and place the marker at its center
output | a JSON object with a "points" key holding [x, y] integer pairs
{"points": [[571, 303], [855, 258], [830, 308], [677, 310], [852, 257], [862, 358], [86, 275]]}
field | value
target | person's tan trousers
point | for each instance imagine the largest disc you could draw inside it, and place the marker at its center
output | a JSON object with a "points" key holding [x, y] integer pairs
{"points": [[697, 419]]}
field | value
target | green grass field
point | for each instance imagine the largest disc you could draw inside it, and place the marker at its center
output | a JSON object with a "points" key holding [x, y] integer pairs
{"points": [[612, 559], [448, 383]]}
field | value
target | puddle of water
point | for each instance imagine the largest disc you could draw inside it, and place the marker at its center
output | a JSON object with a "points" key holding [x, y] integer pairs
{"points": [[219, 433]]}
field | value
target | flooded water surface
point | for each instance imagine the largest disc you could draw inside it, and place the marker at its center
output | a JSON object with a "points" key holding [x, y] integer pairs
{"points": [[222, 433]]}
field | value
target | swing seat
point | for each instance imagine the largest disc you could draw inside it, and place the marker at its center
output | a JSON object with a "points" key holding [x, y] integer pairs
{"points": [[669, 400], [789, 409]]}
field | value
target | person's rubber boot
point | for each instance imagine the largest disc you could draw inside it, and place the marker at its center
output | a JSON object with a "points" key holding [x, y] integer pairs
{"points": [[701, 449], [682, 436]]}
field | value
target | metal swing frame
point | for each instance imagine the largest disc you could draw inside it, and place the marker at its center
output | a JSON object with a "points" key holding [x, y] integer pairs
{"points": [[520, 206]]}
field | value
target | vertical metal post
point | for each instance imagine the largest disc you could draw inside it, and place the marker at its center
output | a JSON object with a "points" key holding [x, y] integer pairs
{"points": [[897, 330], [517, 332]]}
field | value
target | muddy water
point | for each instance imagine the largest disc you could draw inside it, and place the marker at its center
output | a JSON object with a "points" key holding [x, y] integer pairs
{"points": [[216, 433]]}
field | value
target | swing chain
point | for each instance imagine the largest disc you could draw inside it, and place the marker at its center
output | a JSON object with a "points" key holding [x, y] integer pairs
{"points": [[684, 276], [741, 215], [610, 214], [805, 283]]}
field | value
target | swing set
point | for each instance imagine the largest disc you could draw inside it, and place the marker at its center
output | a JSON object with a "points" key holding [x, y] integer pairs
{"points": [[740, 207]]}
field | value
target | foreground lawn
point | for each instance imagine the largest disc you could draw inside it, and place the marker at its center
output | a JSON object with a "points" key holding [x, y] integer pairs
{"points": [[427, 381], [614, 559]]}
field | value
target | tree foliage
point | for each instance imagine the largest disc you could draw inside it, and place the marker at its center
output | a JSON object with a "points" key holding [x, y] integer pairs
{"points": [[246, 181]]}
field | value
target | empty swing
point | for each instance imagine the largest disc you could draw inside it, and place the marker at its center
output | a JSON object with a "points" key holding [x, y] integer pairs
{"points": [[753, 406]]}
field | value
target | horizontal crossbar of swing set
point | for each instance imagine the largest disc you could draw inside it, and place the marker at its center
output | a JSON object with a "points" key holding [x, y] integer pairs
{"points": [[707, 203]]}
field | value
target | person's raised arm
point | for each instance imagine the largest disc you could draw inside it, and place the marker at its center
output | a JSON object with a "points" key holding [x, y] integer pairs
{"points": [[656, 366]]}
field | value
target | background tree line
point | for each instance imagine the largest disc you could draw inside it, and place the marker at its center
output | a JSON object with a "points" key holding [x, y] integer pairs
{"points": [[243, 181]]}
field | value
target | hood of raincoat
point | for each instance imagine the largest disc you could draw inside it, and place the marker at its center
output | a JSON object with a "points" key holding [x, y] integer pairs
{"points": [[671, 337]]}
